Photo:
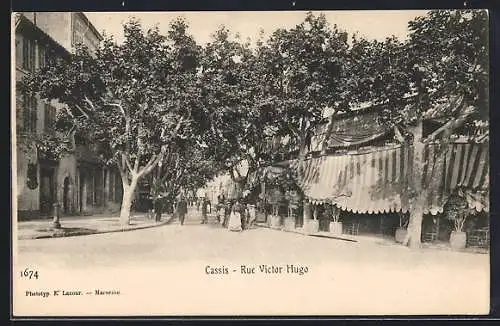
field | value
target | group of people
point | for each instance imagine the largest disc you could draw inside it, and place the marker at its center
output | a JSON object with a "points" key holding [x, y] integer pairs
{"points": [[231, 214], [235, 215], [181, 209]]}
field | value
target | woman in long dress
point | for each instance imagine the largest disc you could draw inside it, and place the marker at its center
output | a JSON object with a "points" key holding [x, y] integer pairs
{"points": [[221, 214], [235, 219], [251, 215]]}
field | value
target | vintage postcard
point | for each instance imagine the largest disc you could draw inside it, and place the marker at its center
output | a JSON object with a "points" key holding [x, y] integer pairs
{"points": [[285, 163]]}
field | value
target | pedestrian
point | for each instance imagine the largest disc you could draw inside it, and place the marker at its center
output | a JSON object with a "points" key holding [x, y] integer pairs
{"points": [[219, 206], [221, 199], [227, 213], [204, 209], [158, 208], [181, 210], [223, 215], [251, 215], [244, 214], [234, 223]]}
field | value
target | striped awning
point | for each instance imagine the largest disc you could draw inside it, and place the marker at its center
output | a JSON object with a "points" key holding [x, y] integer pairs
{"points": [[465, 166], [377, 181], [359, 182]]}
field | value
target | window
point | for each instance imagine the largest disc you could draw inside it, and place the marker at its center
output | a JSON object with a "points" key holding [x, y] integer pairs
{"points": [[42, 57], [78, 29], [50, 117], [78, 38], [29, 113], [51, 58], [28, 54]]}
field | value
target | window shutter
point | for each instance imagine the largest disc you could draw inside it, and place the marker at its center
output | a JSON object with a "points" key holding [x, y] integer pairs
{"points": [[41, 57], [25, 53], [32, 55], [33, 114], [26, 112]]}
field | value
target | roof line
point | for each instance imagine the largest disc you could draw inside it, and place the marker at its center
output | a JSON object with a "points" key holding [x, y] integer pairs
{"points": [[90, 25], [24, 20]]}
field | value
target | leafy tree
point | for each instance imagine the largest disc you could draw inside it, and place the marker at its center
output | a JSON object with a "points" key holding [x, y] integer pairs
{"points": [[460, 69], [131, 100], [181, 171], [416, 73], [230, 85], [306, 71], [276, 91]]}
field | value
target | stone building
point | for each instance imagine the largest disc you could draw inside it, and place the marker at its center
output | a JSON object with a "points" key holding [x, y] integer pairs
{"points": [[77, 181]]}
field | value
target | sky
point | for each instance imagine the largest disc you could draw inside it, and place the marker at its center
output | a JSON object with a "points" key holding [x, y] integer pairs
{"points": [[371, 24]]}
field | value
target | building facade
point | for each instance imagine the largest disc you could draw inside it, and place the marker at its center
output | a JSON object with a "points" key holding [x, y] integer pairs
{"points": [[357, 170], [78, 182], [67, 28]]}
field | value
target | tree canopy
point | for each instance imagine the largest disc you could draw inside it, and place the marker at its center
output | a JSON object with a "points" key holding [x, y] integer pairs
{"points": [[134, 101], [166, 102]]}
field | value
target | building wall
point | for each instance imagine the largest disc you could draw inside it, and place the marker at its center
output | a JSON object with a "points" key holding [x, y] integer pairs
{"points": [[55, 24], [83, 31], [67, 28], [65, 176], [27, 199]]}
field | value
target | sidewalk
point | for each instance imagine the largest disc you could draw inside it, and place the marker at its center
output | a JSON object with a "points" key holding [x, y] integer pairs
{"points": [[85, 225], [376, 240]]}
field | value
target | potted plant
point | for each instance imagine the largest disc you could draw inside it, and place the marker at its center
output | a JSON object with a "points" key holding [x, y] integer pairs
{"points": [[335, 224], [456, 210], [292, 199], [311, 222], [275, 220], [402, 230]]}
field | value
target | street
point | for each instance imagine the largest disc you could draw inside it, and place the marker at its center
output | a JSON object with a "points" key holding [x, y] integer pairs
{"points": [[364, 133], [338, 277]]}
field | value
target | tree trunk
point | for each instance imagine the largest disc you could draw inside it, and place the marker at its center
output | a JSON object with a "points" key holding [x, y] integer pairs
{"points": [[416, 193], [302, 156], [414, 234], [128, 195]]}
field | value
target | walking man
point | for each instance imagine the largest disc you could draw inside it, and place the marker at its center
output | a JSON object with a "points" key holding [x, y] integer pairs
{"points": [[182, 209], [158, 207], [204, 209]]}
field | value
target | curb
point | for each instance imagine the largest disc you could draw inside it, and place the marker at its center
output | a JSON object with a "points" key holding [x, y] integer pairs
{"points": [[91, 232], [318, 235]]}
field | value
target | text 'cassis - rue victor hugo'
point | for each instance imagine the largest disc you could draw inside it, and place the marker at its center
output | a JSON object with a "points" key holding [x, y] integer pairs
{"points": [[256, 269]]}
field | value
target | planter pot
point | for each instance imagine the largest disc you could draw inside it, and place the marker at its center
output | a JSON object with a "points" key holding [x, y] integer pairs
{"points": [[290, 224], [336, 228], [400, 235], [458, 239], [311, 226], [275, 222]]}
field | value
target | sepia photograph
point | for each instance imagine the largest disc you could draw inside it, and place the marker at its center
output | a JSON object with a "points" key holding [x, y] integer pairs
{"points": [[250, 163]]}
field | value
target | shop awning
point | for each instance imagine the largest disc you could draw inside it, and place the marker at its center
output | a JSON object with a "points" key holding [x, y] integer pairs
{"points": [[466, 166], [350, 130], [377, 181]]}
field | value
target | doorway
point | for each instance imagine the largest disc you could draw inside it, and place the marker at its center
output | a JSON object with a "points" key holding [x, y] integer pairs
{"points": [[82, 193], [66, 196], [47, 190]]}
